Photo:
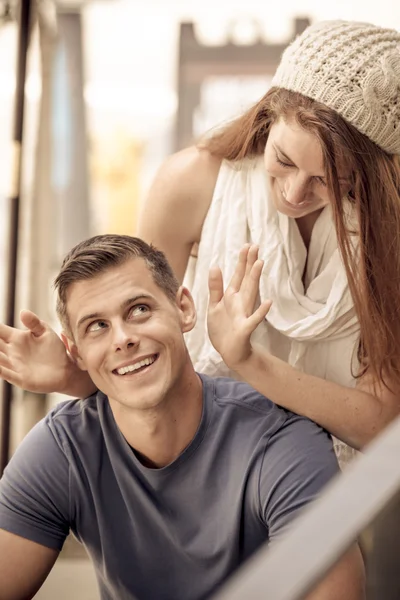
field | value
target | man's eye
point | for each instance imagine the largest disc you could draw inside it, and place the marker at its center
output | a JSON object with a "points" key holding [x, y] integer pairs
{"points": [[139, 310], [97, 325]]}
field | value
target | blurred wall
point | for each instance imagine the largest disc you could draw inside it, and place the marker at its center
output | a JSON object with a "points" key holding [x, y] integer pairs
{"points": [[131, 57]]}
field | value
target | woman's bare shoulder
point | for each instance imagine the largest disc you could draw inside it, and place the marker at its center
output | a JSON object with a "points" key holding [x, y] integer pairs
{"points": [[189, 174], [177, 204]]}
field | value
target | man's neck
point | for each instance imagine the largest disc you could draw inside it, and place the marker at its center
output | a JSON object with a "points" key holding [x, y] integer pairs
{"points": [[158, 436]]}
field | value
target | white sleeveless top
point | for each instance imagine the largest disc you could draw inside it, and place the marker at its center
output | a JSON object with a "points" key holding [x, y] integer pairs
{"points": [[314, 326]]}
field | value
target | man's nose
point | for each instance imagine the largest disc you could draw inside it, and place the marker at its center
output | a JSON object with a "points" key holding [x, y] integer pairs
{"points": [[124, 337]]}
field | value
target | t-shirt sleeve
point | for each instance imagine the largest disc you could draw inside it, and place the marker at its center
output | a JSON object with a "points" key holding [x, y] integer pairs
{"points": [[298, 462], [34, 490]]}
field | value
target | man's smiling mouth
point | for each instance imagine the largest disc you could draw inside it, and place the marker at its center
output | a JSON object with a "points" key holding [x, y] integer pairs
{"points": [[137, 366]]}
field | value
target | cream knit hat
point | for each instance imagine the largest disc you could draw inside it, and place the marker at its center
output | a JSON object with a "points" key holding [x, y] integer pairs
{"points": [[353, 68]]}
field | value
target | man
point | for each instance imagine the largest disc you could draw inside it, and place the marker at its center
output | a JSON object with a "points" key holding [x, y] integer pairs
{"points": [[170, 479]]}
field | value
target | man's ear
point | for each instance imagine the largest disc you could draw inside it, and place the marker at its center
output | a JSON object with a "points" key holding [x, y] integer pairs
{"points": [[72, 349], [186, 308]]}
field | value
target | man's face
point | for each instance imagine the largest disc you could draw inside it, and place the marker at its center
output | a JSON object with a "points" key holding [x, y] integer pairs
{"points": [[128, 334]]}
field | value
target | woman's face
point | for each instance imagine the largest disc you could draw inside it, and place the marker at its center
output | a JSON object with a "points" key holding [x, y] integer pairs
{"points": [[294, 163]]}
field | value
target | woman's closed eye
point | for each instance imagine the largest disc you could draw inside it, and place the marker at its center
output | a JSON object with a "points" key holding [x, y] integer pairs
{"points": [[321, 180], [282, 162], [289, 165]]}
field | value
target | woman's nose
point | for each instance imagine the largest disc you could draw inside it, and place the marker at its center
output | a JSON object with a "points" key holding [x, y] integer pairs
{"points": [[295, 190]]}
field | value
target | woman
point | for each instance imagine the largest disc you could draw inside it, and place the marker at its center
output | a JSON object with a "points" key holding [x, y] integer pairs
{"points": [[311, 174]]}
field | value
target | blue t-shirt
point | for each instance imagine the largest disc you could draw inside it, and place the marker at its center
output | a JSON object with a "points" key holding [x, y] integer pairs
{"points": [[178, 532]]}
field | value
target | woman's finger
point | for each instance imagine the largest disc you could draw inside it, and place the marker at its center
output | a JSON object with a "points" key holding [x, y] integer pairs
{"points": [[6, 332], [32, 322], [251, 287], [4, 360], [10, 376], [252, 256], [215, 287], [259, 315], [240, 270]]}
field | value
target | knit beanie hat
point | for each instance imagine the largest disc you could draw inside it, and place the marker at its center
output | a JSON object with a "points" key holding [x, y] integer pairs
{"points": [[353, 68]]}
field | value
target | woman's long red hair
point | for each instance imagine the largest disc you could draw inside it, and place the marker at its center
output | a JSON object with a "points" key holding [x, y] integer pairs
{"points": [[373, 271]]}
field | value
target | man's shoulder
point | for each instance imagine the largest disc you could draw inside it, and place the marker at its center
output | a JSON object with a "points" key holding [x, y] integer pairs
{"points": [[74, 416], [73, 408], [231, 392], [236, 404], [248, 403]]}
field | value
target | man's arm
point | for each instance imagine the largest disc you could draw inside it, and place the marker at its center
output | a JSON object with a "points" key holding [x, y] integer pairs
{"points": [[345, 580], [24, 566], [299, 461], [35, 511]]}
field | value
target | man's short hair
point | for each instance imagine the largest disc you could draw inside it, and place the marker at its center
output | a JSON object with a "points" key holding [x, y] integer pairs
{"points": [[97, 254]]}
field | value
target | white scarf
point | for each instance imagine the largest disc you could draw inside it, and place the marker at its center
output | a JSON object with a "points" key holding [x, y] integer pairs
{"points": [[313, 328]]}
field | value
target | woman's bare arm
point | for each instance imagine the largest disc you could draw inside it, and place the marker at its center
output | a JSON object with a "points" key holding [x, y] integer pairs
{"points": [[177, 204], [354, 415]]}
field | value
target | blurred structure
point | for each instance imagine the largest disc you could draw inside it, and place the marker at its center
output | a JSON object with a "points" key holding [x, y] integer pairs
{"points": [[116, 165], [14, 208], [59, 200], [56, 209], [198, 62]]}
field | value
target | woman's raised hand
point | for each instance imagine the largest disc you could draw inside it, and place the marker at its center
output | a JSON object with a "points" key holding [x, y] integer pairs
{"points": [[35, 358], [232, 316]]}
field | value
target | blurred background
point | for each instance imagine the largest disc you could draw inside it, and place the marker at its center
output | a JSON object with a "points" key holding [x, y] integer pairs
{"points": [[112, 88]]}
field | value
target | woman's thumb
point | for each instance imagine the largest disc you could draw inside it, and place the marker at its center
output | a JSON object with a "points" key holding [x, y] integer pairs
{"points": [[32, 322]]}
